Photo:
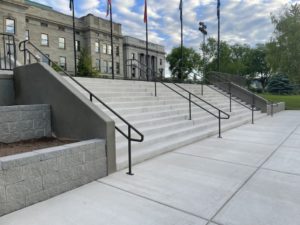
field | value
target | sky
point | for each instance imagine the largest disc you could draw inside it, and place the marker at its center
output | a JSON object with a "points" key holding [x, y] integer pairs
{"points": [[242, 21]]}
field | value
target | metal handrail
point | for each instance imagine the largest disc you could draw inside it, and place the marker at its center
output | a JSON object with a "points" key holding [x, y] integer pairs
{"points": [[7, 52], [218, 116], [92, 96]]}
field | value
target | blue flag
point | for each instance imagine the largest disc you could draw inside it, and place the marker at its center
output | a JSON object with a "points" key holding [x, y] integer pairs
{"points": [[180, 8], [218, 8], [71, 4]]}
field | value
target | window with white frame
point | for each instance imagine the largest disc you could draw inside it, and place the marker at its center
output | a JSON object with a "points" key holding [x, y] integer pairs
{"points": [[110, 67], [61, 43], [10, 26], [104, 66], [44, 40], [63, 62], [98, 64], [109, 49], [97, 49], [104, 48]]}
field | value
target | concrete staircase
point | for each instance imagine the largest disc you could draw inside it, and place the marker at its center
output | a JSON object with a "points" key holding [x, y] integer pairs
{"points": [[164, 120]]}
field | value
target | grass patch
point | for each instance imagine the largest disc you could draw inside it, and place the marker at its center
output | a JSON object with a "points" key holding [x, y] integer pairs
{"points": [[292, 102]]}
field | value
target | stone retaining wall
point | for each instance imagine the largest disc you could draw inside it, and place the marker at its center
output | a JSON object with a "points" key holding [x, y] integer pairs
{"points": [[24, 122], [28, 178]]}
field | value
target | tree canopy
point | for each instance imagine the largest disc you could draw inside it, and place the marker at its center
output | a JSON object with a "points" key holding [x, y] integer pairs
{"points": [[191, 62], [283, 51]]}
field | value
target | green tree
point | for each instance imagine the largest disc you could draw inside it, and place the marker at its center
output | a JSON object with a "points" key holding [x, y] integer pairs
{"points": [[284, 49], [191, 62], [84, 68], [279, 84], [257, 66]]}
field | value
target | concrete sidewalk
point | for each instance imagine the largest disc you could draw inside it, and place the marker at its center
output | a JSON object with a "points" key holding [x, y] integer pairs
{"points": [[249, 177]]}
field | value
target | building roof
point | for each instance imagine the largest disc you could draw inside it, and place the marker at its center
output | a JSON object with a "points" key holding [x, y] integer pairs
{"points": [[28, 2]]}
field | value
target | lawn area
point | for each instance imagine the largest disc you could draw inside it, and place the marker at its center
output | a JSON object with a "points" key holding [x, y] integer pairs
{"points": [[292, 101]]}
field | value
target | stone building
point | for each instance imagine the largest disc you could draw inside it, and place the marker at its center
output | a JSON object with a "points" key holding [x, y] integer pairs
{"points": [[135, 49], [52, 33]]}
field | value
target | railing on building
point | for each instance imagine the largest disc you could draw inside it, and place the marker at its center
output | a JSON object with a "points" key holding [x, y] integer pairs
{"points": [[8, 56], [33, 54]]}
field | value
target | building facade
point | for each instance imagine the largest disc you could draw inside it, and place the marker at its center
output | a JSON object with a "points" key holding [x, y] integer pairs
{"points": [[135, 49], [52, 33]]}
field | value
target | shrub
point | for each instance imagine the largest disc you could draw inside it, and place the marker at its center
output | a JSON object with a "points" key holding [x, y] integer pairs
{"points": [[279, 84]]}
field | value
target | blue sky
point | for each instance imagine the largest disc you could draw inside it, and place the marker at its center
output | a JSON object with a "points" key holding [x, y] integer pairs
{"points": [[243, 21]]}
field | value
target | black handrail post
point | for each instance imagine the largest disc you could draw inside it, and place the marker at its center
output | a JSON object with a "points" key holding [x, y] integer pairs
{"points": [[253, 99], [155, 88], [129, 152], [190, 106], [91, 97], [15, 52], [220, 136], [272, 109], [230, 97]]}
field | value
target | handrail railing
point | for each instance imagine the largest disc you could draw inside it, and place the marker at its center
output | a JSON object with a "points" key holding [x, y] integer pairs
{"points": [[252, 108], [233, 89], [8, 56], [92, 96], [220, 112]]}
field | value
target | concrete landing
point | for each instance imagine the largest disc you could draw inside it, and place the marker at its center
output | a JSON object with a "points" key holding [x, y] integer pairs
{"points": [[250, 176]]}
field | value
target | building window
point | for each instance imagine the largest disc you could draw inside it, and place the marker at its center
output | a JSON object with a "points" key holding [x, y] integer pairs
{"points": [[10, 26], [110, 67], [45, 59], [27, 35], [109, 49], [62, 43], [44, 40], [63, 62], [104, 48], [98, 64], [44, 24], [132, 55], [117, 51], [104, 66], [117, 68], [97, 47], [160, 62], [77, 46]]}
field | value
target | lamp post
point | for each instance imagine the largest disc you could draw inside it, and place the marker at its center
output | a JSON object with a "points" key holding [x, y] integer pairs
{"points": [[202, 29]]}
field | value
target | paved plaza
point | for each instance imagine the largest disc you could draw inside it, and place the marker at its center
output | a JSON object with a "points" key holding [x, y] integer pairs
{"points": [[249, 177]]}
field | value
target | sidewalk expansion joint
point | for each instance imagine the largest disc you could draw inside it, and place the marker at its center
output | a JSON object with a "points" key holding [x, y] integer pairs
{"points": [[253, 174], [152, 200]]}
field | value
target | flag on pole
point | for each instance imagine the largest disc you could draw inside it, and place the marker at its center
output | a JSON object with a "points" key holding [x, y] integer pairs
{"points": [[145, 13], [71, 4], [180, 8], [218, 8], [108, 7]]}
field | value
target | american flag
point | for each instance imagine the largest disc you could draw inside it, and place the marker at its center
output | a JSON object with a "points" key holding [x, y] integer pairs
{"points": [[145, 13], [108, 7]]}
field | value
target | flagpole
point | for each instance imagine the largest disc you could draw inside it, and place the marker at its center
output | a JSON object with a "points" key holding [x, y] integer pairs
{"points": [[147, 41], [74, 38], [218, 13], [181, 19], [112, 42]]}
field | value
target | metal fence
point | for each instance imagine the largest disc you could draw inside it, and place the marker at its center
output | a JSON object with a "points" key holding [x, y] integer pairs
{"points": [[8, 56]]}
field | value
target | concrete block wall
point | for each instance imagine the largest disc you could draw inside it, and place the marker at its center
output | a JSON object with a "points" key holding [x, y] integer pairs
{"points": [[28, 178], [24, 122], [277, 107]]}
